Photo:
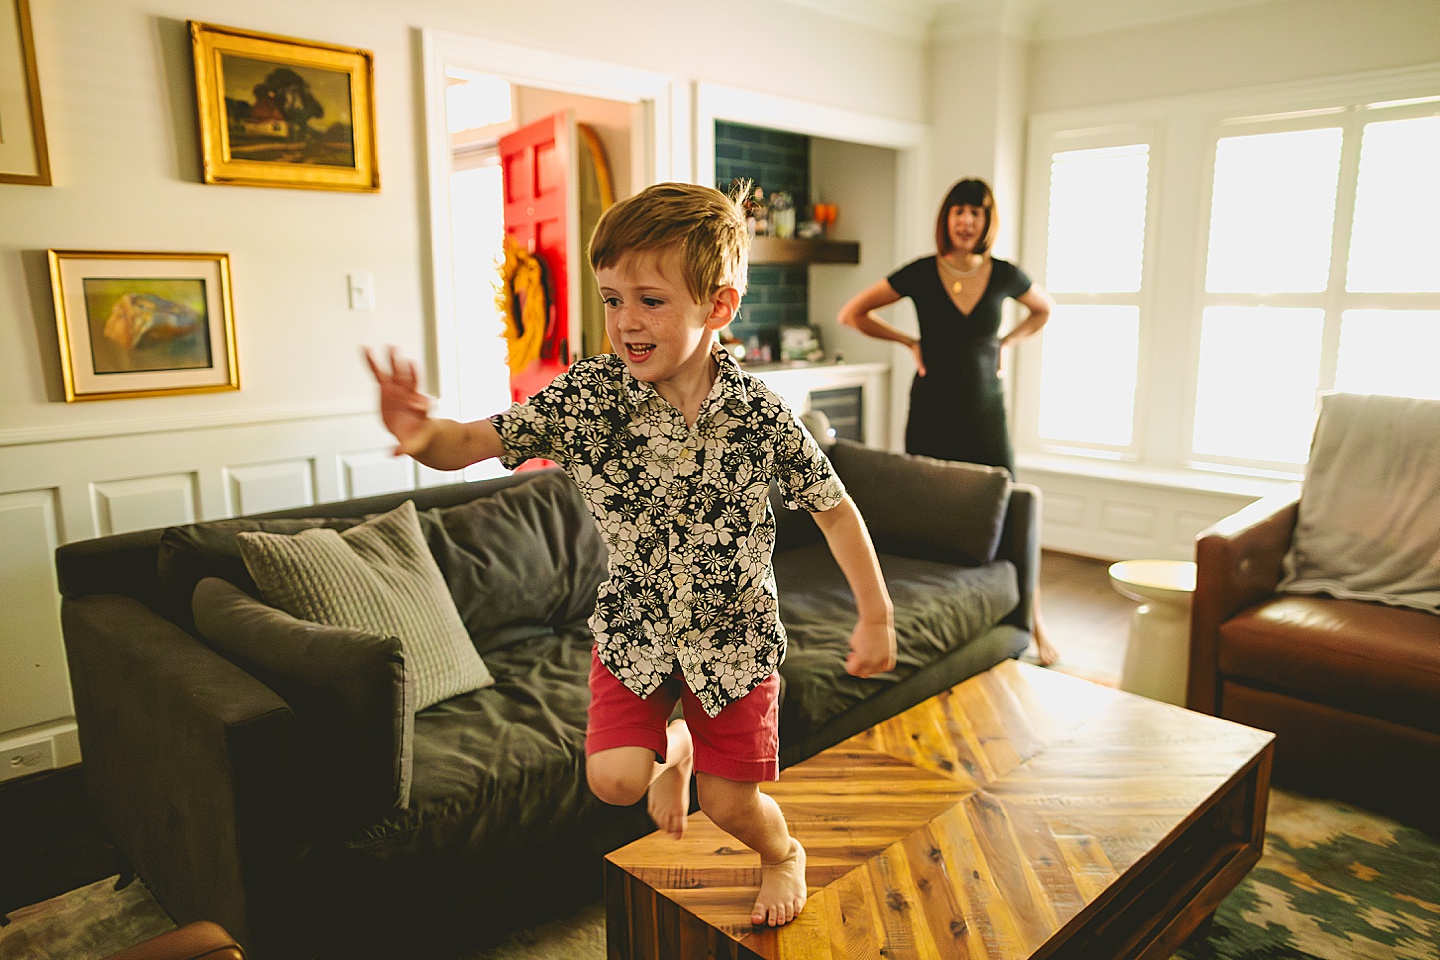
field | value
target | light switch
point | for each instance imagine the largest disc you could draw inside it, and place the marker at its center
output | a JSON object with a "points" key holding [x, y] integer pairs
{"points": [[362, 290]]}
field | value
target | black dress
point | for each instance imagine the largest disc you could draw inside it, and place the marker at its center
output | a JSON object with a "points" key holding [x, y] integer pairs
{"points": [[957, 410]]}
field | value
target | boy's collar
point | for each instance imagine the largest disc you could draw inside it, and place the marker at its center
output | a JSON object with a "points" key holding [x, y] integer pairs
{"points": [[729, 382]]}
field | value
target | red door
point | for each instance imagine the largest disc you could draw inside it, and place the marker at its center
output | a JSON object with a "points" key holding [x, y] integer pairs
{"points": [[538, 163]]}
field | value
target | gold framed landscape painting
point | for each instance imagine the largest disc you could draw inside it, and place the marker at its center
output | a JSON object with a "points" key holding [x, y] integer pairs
{"points": [[280, 112], [143, 324], [24, 156]]}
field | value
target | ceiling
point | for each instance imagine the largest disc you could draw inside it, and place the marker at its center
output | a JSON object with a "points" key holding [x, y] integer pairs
{"points": [[1027, 19]]}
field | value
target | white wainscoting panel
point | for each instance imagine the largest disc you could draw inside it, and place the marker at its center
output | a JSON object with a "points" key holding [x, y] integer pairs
{"points": [[54, 489], [1063, 509], [262, 487], [1111, 518], [34, 685], [373, 472], [139, 503]]}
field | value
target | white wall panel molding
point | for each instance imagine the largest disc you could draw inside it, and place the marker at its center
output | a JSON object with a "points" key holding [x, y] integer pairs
{"points": [[139, 503], [1112, 519], [370, 472], [34, 684], [19, 436], [262, 487]]}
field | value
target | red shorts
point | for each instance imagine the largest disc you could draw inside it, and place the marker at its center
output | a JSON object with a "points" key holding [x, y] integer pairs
{"points": [[741, 742]]}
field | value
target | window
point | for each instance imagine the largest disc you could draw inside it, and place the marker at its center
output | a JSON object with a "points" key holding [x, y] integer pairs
{"points": [[1094, 264], [1203, 305]]}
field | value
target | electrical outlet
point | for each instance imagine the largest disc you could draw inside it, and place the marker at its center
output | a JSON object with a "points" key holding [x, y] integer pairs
{"points": [[23, 761]]}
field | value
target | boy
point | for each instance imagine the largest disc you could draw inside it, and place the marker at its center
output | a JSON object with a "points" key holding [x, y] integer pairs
{"points": [[673, 447]]}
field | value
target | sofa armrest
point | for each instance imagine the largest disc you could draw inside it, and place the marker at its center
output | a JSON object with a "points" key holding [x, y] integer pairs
{"points": [[1237, 564], [1020, 544], [188, 762]]}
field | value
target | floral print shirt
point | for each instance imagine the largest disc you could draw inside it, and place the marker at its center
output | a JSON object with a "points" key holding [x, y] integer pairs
{"points": [[686, 514]]}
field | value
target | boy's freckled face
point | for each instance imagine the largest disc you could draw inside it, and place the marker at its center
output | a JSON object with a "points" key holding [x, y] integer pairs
{"points": [[653, 322]]}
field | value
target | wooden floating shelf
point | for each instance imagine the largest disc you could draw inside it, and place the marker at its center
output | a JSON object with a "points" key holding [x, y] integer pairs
{"points": [[795, 250]]}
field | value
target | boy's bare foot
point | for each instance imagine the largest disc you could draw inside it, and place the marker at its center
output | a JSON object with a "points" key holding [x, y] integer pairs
{"points": [[669, 796], [782, 889]]}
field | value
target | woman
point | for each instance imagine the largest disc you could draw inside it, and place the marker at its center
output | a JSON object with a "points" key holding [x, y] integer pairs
{"points": [[957, 403]]}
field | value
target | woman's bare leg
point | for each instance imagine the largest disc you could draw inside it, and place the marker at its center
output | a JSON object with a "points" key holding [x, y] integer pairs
{"points": [[1045, 651]]}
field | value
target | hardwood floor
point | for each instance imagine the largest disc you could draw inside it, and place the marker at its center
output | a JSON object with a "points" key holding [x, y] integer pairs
{"points": [[51, 844], [1088, 621]]}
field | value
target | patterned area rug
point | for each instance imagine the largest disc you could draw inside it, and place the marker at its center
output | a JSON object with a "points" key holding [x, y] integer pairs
{"points": [[1335, 883]]}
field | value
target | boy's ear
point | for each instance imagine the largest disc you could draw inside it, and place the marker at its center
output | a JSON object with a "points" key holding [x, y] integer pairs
{"points": [[723, 307]]}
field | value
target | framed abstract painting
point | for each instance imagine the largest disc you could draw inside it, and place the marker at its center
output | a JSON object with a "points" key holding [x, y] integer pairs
{"points": [[143, 324], [281, 112]]}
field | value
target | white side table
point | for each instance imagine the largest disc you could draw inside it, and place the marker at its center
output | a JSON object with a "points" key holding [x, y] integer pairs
{"points": [[1157, 658]]}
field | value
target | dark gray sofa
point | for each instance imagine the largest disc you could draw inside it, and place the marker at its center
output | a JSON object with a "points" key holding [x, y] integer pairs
{"points": [[247, 791]]}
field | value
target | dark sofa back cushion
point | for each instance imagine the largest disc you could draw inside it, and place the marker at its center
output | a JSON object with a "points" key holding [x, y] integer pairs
{"points": [[530, 554], [191, 553], [962, 505]]}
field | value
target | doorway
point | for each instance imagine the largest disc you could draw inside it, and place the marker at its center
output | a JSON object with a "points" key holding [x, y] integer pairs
{"points": [[477, 90]]}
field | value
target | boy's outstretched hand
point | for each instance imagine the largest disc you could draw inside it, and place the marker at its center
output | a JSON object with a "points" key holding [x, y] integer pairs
{"points": [[872, 649], [403, 408]]}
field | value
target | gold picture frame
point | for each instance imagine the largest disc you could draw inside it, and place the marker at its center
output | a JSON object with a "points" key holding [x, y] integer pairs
{"points": [[280, 112], [143, 324], [24, 154]]}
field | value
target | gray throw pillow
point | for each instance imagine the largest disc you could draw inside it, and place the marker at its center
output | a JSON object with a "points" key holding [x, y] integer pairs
{"points": [[349, 688], [925, 508], [377, 576]]}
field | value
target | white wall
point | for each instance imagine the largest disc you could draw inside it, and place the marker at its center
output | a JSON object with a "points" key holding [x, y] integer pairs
{"points": [[118, 92], [1240, 47]]}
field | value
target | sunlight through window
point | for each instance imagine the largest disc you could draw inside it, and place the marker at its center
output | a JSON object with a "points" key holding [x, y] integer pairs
{"points": [[476, 100], [1391, 352], [1087, 374], [1097, 219], [1273, 212], [1395, 247], [1259, 373]]}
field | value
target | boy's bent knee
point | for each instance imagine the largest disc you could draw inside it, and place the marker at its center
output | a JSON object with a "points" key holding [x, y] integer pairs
{"points": [[620, 776]]}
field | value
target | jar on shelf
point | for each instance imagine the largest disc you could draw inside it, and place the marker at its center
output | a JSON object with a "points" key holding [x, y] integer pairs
{"points": [[782, 214]]}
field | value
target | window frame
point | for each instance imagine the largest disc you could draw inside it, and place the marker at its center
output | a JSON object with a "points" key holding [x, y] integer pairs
{"points": [[1184, 134]]}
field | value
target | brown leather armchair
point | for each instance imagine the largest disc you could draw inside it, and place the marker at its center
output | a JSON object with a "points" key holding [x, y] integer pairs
{"points": [[1350, 688]]}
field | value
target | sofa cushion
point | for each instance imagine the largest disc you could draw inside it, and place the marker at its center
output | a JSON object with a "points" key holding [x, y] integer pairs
{"points": [[500, 771], [962, 505], [186, 555], [1367, 658], [529, 555], [378, 576], [349, 688], [938, 608]]}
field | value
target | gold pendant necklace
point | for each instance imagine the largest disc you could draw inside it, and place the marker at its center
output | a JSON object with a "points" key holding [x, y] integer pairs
{"points": [[955, 284]]}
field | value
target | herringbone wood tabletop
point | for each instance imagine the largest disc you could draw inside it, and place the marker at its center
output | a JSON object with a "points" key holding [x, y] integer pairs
{"points": [[1022, 814]]}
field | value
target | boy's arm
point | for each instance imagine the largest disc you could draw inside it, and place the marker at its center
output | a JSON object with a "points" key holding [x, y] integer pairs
{"points": [[872, 645], [439, 444]]}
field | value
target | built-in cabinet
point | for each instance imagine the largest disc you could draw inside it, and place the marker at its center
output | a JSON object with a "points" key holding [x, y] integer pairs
{"points": [[816, 386]]}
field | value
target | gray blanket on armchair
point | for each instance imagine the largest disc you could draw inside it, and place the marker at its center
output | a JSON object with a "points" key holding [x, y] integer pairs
{"points": [[1369, 516]]}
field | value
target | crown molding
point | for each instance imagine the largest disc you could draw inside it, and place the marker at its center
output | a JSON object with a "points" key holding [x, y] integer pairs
{"points": [[1036, 20]]}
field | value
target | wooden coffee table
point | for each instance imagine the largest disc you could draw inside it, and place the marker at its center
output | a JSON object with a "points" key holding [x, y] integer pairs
{"points": [[1023, 813]]}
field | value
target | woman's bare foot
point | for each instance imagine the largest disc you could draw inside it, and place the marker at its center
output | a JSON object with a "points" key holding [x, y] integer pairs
{"points": [[1045, 652], [782, 889], [669, 796]]}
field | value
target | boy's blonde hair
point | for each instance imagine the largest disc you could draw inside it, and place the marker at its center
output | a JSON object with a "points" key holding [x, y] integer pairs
{"points": [[703, 224]]}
